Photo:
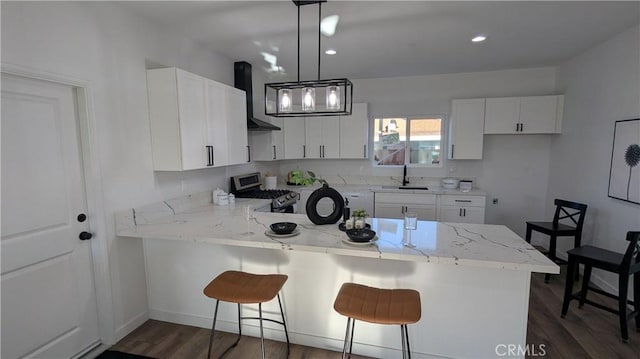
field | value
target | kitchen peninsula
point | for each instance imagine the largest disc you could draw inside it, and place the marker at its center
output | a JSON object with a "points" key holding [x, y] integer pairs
{"points": [[474, 279]]}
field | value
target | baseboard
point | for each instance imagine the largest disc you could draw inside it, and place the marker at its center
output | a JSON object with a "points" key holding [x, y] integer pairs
{"points": [[123, 330], [253, 330]]}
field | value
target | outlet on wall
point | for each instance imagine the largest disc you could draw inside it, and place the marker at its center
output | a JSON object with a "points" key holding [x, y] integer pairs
{"points": [[495, 201]]}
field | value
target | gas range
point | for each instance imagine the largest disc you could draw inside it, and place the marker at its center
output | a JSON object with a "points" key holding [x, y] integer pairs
{"points": [[248, 186]]}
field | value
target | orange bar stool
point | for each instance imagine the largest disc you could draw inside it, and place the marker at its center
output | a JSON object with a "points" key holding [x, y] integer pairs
{"points": [[246, 288], [379, 306]]}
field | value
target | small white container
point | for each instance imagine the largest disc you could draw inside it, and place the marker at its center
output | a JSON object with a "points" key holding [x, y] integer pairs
{"points": [[359, 223], [348, 224], [270, 182], [450, 183], [223, 199], [465, 186]]}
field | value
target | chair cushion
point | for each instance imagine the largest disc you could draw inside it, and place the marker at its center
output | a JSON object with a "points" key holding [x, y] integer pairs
{"points": [[381, 306], [548, 227], [241, 287], [597, 256]]}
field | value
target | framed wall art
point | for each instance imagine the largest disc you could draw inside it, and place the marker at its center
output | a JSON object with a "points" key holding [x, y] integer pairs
{"points": [[624, 175]]}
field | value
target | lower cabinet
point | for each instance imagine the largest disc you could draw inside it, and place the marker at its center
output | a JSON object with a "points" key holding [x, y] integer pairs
{"points": [[394, 205], [431, 207], [461, 209]]}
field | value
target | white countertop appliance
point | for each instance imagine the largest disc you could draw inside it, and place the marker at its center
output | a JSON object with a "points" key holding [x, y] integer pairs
{"points": [[248, 186]]}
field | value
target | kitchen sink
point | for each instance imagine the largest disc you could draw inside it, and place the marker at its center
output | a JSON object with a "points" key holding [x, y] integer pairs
{"points": [[406, 187]]}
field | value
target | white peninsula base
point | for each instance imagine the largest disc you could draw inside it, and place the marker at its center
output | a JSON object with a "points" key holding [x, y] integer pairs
{"points": [[474, 280]]}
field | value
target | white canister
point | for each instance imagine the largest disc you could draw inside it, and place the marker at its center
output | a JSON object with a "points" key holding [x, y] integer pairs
{"points": [[270, 182], [223, 199], [216, 192]]}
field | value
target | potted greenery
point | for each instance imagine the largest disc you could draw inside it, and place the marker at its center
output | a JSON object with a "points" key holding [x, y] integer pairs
{"points": [[359, 218]]}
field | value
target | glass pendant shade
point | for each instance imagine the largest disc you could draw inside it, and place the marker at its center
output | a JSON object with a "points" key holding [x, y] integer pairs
{"points": [[333, 98], [308, 99], [285, 100]]}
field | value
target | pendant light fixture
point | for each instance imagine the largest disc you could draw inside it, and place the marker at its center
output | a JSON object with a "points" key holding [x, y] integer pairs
{"points": [[314, 97]]}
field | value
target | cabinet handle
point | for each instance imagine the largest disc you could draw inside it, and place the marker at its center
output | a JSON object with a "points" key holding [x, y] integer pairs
{"points": [[304, 151], [209, 155], [213, 159], [452, 149], [364, 154], [463, 200], [274, 152], [460, 212], [464, 212], [248, 153], [522, 127]]}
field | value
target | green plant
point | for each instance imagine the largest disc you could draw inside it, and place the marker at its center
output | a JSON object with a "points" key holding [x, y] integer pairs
{"points": [[305, 178], [360, 213]]}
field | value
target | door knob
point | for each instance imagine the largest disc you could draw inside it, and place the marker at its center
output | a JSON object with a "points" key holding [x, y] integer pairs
{"points": [[85, 236], [82, 217]]}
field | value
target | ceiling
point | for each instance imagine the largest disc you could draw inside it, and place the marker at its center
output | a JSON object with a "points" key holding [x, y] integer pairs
{"points": [[395, 38]]}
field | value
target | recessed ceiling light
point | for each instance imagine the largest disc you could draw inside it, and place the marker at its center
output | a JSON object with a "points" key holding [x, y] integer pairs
{"points": [[479, 38], [331, 52]]}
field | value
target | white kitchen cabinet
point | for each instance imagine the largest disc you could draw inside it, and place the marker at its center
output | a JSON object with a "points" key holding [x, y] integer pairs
{"points": [[268, 145], [466, 129], [394, 205], [294, 138], [461, 209], [177, 108], [237, 137], [195, 122], [354, 133], [322, 137], [216, 124], [524, 115]]}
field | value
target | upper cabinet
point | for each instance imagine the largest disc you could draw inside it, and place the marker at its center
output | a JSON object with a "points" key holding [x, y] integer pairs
{"points": [[330, 137], [294, 138], [237, 137], [466, 129], [322, 137], [354, 134], [524, 115], [268, 145], [195, 122]]}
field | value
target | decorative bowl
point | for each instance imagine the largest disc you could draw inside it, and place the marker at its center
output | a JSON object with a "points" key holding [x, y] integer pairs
{"points": [[283, 227], [360, 235]]}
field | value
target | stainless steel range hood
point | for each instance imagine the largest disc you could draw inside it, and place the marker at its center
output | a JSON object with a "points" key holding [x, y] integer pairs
{"points": [[243, 81]]}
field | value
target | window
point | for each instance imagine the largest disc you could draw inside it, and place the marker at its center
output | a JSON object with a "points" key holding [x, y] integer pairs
{"points": [[407, 140]]}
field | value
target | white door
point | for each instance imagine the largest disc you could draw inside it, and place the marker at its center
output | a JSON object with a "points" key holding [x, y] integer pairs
{"points": [[466, 128], [192, 107], [538, 114], [313, 137], [238, 140], [216, 123], [354, 132], [294, 138], [502, 115], [48, 298], [331, 137]]}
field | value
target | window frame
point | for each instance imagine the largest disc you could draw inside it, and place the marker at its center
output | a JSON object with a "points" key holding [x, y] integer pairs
{"points": [[407, 152]]}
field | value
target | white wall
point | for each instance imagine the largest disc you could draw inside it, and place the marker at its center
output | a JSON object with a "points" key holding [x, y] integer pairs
{"points": [[601, 86], [514, 168], [110, 48]]}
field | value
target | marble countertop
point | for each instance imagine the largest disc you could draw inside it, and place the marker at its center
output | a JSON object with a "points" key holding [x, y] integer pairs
{"points": [[195, 220], [345, 188]]}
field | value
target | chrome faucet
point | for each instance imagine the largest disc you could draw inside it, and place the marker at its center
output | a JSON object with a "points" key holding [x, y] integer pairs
{"points": [[405, 181]]}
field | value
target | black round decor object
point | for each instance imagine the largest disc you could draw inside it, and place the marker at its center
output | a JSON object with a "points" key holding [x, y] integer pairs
{"points": [[283, 227], [312, 203]]}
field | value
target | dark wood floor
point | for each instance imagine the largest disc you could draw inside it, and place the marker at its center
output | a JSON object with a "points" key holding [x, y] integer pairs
{"points": [[584, 333]]}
